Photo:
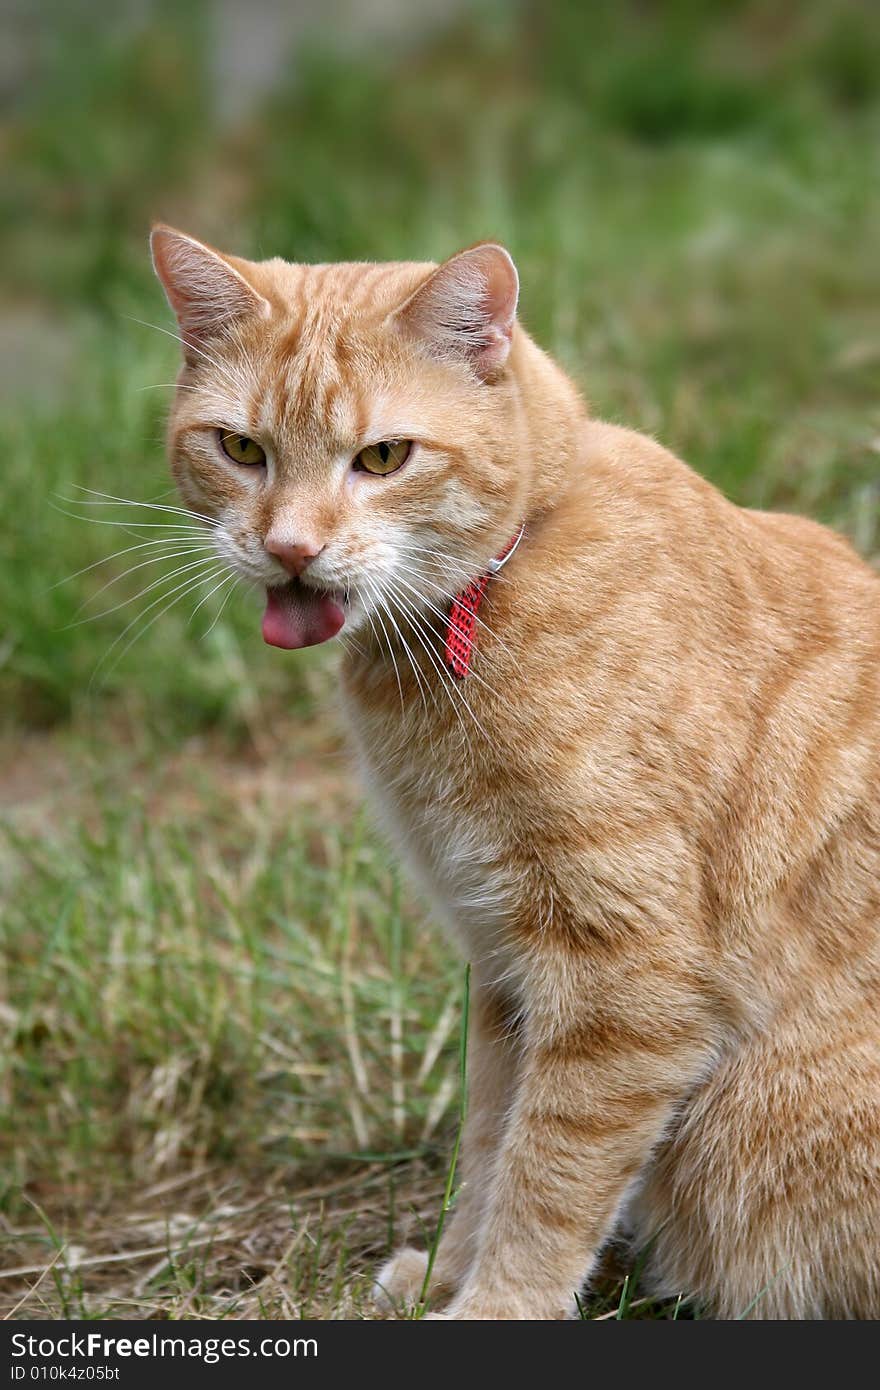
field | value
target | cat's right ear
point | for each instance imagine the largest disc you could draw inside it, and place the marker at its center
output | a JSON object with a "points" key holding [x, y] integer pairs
{"points": [[203, 287], [466, 309]]}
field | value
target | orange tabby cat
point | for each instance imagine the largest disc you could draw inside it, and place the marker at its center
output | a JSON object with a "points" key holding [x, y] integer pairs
{"points": [[645, 797]]}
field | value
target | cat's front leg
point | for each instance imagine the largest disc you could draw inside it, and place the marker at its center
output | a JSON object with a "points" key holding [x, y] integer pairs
{"points": [[605, 1061], [493, 1056]]}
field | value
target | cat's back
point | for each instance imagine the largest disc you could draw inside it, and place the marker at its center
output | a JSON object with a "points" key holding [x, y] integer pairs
{"points": [[653, 557], [731, 655], [631, 490]]}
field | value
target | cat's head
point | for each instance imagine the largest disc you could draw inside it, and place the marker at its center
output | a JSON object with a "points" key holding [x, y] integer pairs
{"points": [[350, 430]]}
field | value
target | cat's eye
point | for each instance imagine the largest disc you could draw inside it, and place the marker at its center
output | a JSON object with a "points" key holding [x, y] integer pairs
{"points": [[241, 448], [383, 458]]}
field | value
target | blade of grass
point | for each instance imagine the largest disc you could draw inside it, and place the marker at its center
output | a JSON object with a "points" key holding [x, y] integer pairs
{"points": [[453, 1162]]}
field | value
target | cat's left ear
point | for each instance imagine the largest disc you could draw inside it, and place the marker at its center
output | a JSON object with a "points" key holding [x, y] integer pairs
{"points": [[205, 289], [467, 308]]}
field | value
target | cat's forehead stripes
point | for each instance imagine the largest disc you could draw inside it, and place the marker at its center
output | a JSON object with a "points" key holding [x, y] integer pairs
{"points": [[325, 365], [311, 404], [313, 300]]}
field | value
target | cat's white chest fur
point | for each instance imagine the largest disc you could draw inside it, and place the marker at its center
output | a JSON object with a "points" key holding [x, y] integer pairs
{"points": [[452, 848]]}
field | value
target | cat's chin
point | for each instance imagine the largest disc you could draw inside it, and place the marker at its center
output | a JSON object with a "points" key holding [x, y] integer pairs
{"points": [[297, 616]]}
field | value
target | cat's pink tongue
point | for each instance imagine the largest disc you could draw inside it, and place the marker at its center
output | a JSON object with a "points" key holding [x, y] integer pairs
{"points": [[299, 617]]}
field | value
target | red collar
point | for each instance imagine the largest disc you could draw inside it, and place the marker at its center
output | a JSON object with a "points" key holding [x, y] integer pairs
{"points": [[461, 629]]}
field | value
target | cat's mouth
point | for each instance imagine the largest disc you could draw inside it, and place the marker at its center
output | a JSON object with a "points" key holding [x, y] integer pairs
{"points": [[297, 616]]}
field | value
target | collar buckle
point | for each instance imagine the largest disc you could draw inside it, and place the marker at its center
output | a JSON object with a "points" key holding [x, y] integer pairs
{"points": [[501, 560]]}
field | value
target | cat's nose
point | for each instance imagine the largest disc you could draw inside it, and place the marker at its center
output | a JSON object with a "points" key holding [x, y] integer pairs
{"points": [[294, 555]]}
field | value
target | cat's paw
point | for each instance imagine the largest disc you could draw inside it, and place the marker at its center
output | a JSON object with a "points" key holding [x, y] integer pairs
{"points": [[478, 1309], [399, 1283], [496, 1307]]}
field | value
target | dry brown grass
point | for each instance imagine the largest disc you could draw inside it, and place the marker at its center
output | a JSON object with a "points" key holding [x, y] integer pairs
{"points": [[211, 1244]]}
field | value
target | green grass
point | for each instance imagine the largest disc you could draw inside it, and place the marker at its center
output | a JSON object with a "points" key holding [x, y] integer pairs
{"points": [[217, 1000], [200, 982]]}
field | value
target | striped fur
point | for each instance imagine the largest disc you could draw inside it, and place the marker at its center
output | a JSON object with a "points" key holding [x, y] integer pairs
{"points": [[650, 816]]}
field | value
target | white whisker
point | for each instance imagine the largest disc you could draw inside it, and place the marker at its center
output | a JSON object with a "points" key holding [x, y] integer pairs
{"points": [[423, 634], [477, 619], [443, 562], [131, 526], [237, 384], [192, 548], [176, 594], [473, 675], [168, 385], [390, 648], [369, 617], [106, 559], [405, 645], [148, 589], [226, 597], [107, 499]]}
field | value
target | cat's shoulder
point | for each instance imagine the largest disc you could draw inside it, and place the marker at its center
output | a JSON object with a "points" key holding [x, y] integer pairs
{"points": [[629, 495], [625, 486], [634, 462]]}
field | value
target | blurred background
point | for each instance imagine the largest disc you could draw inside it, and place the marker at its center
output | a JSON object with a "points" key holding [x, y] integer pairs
{"points": [[228, 1064]]}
